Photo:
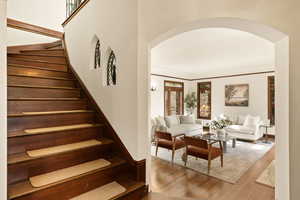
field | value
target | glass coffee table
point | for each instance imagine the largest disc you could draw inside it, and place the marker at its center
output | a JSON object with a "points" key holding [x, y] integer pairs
{"points": [[224, 138]]}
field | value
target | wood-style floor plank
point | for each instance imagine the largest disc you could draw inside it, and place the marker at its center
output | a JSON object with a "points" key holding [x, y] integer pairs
{"points": [[171, 182]]}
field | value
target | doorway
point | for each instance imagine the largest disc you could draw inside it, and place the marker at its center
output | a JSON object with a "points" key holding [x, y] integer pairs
{"points": [[281, 44], [174, 93]]}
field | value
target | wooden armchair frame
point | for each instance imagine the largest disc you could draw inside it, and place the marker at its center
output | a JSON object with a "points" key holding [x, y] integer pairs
{"points": [[205, 146], [165, 136]]}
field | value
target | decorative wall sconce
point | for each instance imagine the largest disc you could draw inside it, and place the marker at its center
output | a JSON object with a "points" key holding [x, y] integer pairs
{"points": [[153, 87]]}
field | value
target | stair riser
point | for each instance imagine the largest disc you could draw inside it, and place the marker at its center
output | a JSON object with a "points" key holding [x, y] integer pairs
{"points": [[73, 188], [38, 64], [12, 70], [58, 52], [32, 142], [44, 106], [17, 80], [58, 60], [20, 92], [22, 171], [31, 122], [136, 195]]}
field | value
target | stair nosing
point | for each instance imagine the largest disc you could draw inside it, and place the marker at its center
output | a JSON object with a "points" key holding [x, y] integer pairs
{"points": [[42, 87], [45, 99], [39, 61], [43, 77], [113, 165], [25, 114], [42, 50], [34, 67], [104, 141], [24, 134]]}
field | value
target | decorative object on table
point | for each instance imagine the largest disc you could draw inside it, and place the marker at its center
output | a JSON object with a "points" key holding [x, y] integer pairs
{"points": [[190, 102], [111, 69], [97, 61], [237, 95], [219, 124], [204, 100]]}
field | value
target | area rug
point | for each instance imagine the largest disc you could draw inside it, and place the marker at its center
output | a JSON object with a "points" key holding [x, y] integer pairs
{"points": [[268, 176], [236, 161]]}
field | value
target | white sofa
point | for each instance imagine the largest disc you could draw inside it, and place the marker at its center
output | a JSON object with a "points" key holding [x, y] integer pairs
{"points": [[177, 124], [246, 128]]}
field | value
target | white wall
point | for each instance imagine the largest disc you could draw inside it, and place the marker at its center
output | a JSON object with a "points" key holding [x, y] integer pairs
{"points": [[3, 135], [45, 13], [115, 24], [157, 97], [258, 96]]}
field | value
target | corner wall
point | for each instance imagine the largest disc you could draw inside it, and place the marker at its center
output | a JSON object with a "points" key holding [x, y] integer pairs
{"points": [[3, 102]]}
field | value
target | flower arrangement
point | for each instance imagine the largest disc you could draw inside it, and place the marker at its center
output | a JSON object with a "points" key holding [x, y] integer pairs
{"points": [[220, 123], [191, 102]]}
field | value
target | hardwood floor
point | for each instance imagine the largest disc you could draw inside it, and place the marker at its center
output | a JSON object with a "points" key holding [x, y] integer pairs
{"points": [[170, 181]]}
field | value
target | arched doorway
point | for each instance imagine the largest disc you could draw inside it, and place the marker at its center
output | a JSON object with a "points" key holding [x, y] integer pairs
{"points": [[281, 43]]}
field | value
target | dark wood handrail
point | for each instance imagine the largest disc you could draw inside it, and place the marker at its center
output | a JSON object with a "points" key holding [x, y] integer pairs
{"points": [[75, 12], [12, 23]]}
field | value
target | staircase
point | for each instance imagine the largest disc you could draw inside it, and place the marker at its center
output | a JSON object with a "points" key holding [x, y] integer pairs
{"points": [[60, 145]]}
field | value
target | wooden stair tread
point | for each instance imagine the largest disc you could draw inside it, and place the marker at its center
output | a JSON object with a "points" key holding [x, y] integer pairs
{"points": [[39, 131], [42, 77], [24, 157], [24, 187], [34, 50], [34, 60], [67, 173], [105, 192], [33, 67], [44, 99], [63, 148], [48, 113], [43, 87], [40, 55]]}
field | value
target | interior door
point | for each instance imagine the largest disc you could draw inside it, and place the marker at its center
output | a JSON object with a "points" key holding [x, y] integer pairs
{"points": [[174, 94]]}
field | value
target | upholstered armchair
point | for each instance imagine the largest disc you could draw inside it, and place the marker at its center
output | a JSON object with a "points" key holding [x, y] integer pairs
{"points": [[202, 149], [167, 141]]}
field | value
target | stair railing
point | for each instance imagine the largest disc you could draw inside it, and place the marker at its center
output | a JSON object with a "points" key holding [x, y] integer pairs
{"points": [[72, 8]]}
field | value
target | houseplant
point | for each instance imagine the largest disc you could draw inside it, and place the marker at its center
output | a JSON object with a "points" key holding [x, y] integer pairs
{"points": [[190, 102]]}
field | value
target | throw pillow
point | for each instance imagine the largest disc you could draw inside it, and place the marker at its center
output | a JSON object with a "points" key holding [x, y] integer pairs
{"points": [[251, 121], [241, 119], [160, 121], [172, 120], [188, 119]]}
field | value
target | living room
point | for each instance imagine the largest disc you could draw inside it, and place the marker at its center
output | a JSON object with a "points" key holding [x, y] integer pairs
{"points": [[215, 85]]}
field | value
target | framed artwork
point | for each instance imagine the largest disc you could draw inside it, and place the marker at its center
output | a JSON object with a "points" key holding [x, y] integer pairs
{"points": [[174, 94], [237, 95]]}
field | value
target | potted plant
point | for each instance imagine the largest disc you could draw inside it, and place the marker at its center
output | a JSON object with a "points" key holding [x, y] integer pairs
{"points": [[190, 102]]}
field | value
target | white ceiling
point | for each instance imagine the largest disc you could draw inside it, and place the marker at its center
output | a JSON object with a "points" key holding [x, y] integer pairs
{"points": [[212, 52]]}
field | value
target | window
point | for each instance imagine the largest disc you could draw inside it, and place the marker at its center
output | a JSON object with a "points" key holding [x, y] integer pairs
{"points": [[204, 100], [174, 94], [72, 5]]}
